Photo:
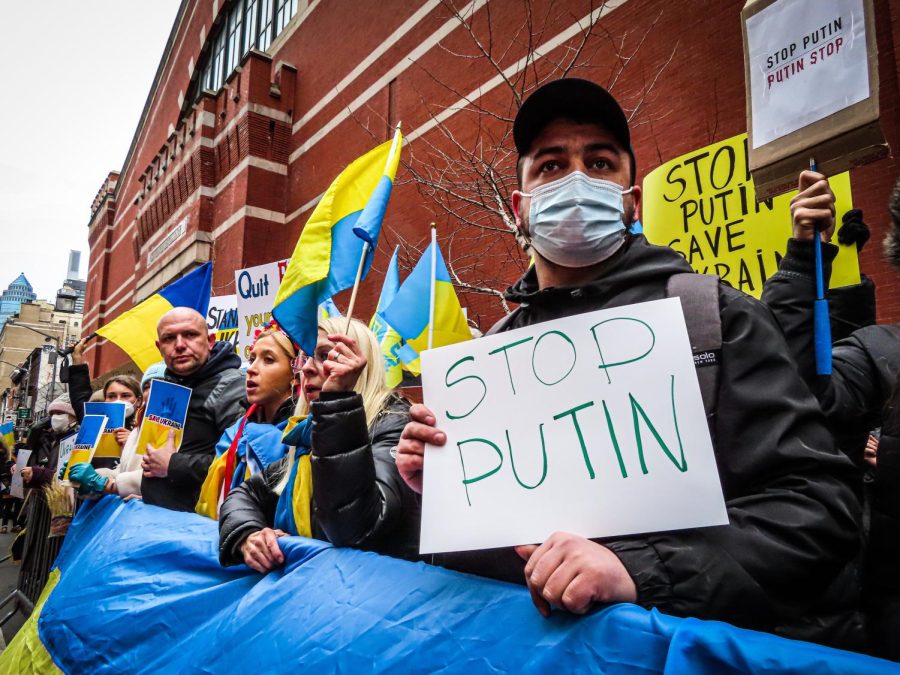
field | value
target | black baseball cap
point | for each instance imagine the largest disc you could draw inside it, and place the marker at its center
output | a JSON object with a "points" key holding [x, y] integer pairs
{"points": [[571, 98]]}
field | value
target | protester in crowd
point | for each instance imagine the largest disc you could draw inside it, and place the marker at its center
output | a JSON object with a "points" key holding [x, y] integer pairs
{"points": [[339, 481], [793, 518], [211, 370], [865, 365], [117, 388], [7, 501], [125, 478], [254, 442], [852, 307], [44, 443], [862, 393]]}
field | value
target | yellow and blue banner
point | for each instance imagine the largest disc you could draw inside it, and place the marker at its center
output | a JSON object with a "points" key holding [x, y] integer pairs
{"points": [[89, 434], [115, 419], [326, 258], [166, 410], [410, 312], [388, 338], [134, 332], [128, 564], [8, 433]]}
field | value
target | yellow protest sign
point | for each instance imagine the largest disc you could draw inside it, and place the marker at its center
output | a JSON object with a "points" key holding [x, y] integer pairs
{"points": [[703, 205]]}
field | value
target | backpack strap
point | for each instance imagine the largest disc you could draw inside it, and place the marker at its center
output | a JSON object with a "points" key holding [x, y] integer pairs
{"points": [[699, 294], [504, 323]]}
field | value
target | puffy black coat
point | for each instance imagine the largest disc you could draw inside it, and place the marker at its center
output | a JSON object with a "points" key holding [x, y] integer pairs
{"points": [[794, 519], [865, 365], [79, 388], [359, 499], [217, 389], [882, 587], [851, 307]]}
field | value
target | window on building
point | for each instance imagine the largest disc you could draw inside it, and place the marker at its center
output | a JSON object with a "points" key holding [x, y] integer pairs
{"points": [[248, 24]]}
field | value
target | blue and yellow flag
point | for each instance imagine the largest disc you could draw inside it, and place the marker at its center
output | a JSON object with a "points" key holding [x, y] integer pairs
{"points": [[115, 419], [388, 338], [90, 432], [327, 255], [8, 433], [409, 312], [135, 330], [167, 406], [139, 589]]}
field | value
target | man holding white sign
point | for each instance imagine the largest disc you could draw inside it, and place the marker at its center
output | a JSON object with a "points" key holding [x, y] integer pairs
{"points": [[792, 518]]}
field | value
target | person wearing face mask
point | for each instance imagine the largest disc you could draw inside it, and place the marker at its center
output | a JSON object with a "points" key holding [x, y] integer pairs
{"points": [[339, 482], [44, 444], [794, 520]]}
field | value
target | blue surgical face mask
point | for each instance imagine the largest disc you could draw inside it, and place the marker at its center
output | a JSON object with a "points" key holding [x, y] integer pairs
{"points": [[577, 221]]}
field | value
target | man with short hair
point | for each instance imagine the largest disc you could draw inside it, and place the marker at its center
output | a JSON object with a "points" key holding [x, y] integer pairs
{"points": [[793, 519], [211, 370]]}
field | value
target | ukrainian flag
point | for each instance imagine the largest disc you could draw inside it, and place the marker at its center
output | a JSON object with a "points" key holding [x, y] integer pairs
{"points": [[7, 431], [388, 338], [327, 255], [409, 313], [135, 331]]}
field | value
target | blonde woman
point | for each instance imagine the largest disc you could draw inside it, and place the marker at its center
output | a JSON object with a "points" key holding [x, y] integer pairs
{"points": [[339, 481]]}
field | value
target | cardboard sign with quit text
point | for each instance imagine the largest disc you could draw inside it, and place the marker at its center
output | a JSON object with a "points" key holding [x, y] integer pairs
{"points": [[591, 424]]}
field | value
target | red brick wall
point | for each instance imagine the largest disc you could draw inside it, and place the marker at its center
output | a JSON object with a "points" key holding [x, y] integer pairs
{"points": [[698, 99]]}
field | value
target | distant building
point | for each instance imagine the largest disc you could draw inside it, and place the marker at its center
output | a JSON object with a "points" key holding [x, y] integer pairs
{"points": [[19, 291]]}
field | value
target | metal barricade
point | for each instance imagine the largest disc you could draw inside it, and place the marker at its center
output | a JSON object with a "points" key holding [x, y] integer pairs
{"points": [[40, 549]]}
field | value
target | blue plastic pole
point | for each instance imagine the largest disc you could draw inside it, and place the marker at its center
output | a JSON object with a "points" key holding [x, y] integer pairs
{"points": [[821, 320]]}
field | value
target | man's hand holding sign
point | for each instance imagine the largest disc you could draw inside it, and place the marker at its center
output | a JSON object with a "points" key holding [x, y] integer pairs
{"points": [[588, 426]]}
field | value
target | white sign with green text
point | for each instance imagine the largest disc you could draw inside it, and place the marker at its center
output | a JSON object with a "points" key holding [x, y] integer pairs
{"points": [[591, 424]]}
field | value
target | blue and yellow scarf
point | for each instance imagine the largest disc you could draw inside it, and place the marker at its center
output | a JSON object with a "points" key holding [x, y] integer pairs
{"points": [[292, 513]]}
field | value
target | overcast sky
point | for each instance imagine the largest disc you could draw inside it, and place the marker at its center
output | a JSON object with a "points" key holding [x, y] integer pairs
{"points": [[74, 81]]}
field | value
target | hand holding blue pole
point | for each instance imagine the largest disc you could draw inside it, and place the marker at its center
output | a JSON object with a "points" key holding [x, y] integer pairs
{"points": [[821, 319]]}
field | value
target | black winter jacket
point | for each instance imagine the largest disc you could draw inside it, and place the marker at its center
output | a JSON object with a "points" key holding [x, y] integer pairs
{"points": [[794, 519], [79, 388], [359, 499], [882, 587], [217, 390], [865, 366]]}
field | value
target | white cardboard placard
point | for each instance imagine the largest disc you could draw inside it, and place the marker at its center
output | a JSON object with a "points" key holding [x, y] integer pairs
{"points": [[256, 290], [585, 381], [808, 60], [17, 485]]}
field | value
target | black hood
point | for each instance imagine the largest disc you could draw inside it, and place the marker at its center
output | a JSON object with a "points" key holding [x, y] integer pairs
{"points": [[637, 264], [221, 358]]}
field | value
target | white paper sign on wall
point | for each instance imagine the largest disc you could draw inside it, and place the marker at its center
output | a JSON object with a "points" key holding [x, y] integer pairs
{"points": [[808, 60], [591, 424]]}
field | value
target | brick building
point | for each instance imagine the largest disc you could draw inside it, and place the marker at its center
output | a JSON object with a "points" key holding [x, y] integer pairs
{"points": [[258, 104]]}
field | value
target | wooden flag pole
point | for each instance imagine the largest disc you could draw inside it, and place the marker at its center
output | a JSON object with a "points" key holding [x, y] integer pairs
{"points": [[433, 283], [359, 270], [365, 249]]}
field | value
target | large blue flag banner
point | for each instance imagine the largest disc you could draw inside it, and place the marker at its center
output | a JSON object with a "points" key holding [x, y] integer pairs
{"points": [[139, 589]]}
